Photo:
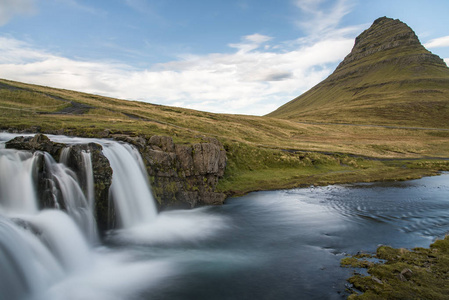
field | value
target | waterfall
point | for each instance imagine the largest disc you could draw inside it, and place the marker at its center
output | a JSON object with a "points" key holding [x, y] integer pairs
{"points": [[17, 192], [39, 248], [130, 189], [68, 193], [90, 189]]}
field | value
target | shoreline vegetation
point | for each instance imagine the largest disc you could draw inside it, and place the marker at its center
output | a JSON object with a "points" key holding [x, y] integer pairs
{"points": [[262, 154], [419, 273]]}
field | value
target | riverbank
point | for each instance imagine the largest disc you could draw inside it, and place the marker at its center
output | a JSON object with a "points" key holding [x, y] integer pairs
{"points": [[420, 273], [252, 169]]}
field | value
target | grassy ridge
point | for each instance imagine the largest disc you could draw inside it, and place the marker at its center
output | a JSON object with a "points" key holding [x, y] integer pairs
{"points": [[257, 156]]}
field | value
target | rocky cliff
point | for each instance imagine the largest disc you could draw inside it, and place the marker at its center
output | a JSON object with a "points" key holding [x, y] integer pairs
{"points": [[387, 41], [182, 175]]}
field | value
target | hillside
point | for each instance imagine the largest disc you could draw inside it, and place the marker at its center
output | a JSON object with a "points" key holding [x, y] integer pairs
{"points": [[284, 151], [389, 78]]}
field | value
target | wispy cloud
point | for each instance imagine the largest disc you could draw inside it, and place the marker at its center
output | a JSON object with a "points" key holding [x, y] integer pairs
{"points": [[254, 81], [438, 42], [11, 8], [255, 77], [145, 8], [318, 16], [74, 4], [250, 42]]}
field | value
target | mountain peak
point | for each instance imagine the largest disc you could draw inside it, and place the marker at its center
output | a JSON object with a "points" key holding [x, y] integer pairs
{"points": [[385, 34], [387, 69]]}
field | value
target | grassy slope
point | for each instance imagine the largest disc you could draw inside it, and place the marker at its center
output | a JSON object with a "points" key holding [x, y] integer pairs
{"points": [[253, 143], [401, 85]]}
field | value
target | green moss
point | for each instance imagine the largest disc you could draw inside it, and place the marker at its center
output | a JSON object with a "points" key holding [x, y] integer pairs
{"points": [[355, 262], [405, 274]]}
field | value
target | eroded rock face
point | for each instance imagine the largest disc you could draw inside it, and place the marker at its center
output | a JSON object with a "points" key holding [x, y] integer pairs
{"points": [[182, 176], [185, 175], [389, 34]]}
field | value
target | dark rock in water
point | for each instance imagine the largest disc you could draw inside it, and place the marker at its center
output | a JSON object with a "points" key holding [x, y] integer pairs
{"points": [[102, 175], [27, 226], [39, 142], [182, 176]]}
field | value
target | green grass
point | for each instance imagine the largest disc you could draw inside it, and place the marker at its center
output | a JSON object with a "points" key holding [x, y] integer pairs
{"points": [[28, 102], [252, 169]]}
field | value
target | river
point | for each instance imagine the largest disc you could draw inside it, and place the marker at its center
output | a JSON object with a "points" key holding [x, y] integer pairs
{"points": [[266, 245], [287, 244]]}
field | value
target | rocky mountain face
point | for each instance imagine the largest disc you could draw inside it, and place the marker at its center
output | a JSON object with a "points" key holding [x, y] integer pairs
{"points": [[387, 42], [388, 34], [388, 78]]}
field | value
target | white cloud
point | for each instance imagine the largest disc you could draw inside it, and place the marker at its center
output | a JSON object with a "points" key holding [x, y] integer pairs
{"points": [[255, 81], [319, 17], [256, 78], [257, 38], [438, 42], [11, 8], [251, 42], [446, 60]]}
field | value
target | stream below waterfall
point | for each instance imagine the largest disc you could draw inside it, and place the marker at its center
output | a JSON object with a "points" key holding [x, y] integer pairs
{"points": [[266, 245]]}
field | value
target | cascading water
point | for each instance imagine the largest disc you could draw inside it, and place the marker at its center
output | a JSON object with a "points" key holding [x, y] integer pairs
{"points": [[27, 266], [17, 193], [130, 189], [39, 249], [67, 191], [90, 191], [129, 182]]}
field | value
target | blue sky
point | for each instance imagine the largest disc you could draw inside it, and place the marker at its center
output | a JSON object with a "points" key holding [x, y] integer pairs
{"points": [[226, 56]]}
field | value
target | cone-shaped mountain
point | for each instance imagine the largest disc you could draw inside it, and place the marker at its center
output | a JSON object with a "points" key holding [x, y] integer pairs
{"points": [[389, 78]]}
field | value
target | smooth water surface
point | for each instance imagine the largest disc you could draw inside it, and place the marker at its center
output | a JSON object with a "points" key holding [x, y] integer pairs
{"points": [[286, 244]]}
